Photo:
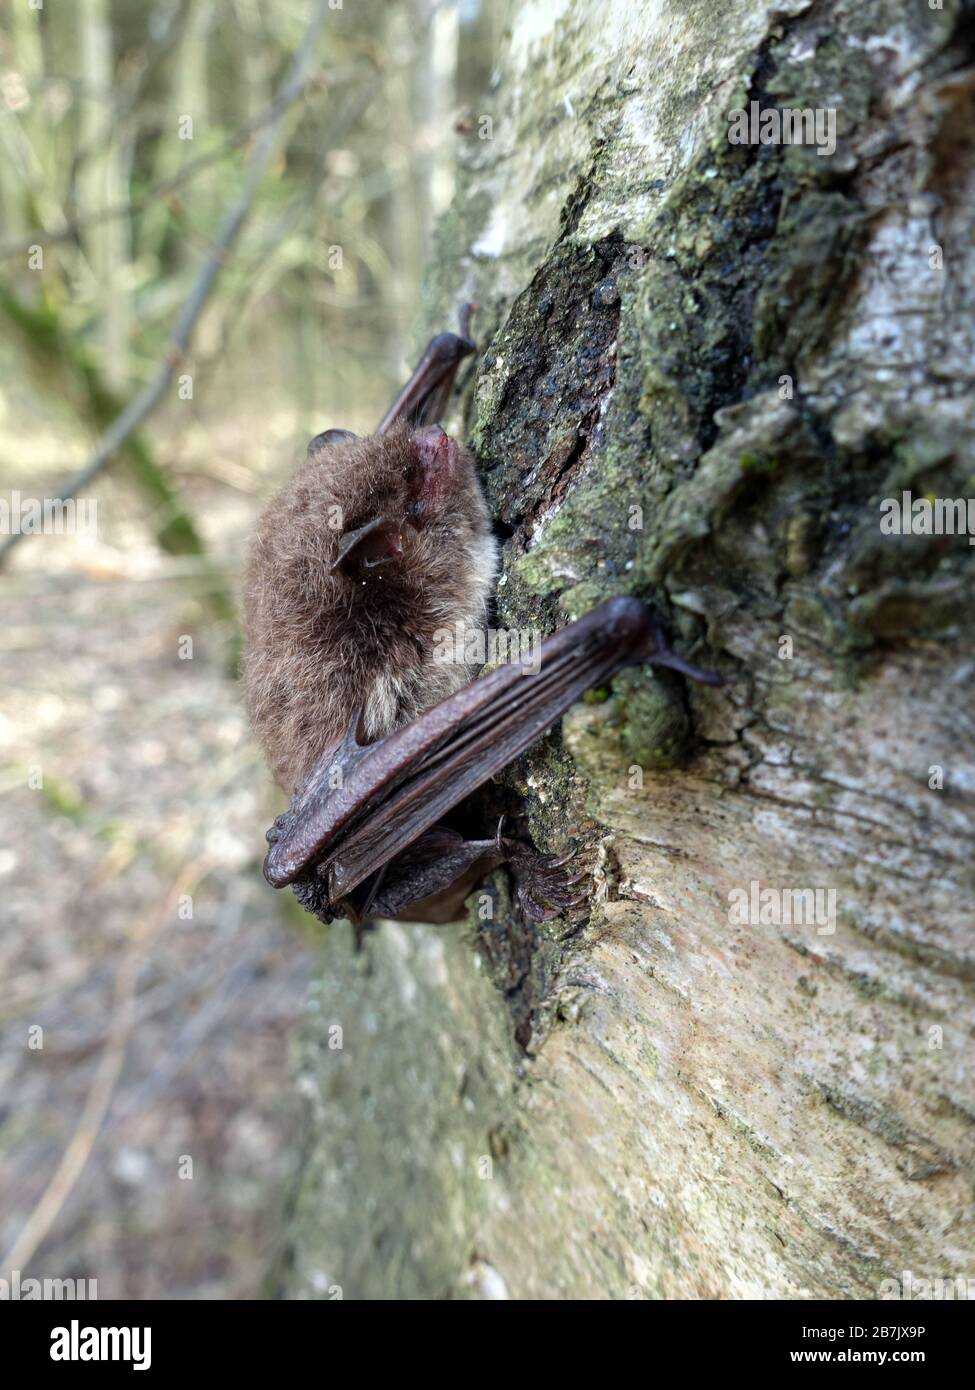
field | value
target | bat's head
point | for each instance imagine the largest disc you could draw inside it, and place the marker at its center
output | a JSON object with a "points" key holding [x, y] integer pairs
{"points": [[374, 547], [407, 510]]}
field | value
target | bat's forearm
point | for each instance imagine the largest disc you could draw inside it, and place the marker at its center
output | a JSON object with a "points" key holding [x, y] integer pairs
{"points": [[398, 788]]}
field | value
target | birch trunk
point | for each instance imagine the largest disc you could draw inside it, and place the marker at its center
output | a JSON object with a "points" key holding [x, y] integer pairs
{"points": [[102, 185], [706, 366]]}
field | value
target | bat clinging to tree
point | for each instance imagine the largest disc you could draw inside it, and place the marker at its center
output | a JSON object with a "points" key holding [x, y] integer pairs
{"points": [[375, 547]]}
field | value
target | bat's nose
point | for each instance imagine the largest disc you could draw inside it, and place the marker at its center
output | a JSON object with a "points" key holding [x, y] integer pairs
{"points": [[434, 448], [436, 474]]}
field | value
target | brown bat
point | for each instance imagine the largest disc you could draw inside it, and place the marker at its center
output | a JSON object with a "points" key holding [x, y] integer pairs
{"points": [[374, 548]]}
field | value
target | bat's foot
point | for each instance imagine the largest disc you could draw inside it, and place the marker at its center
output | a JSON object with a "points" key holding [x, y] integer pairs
{"points": [[359, 930], [312, 893], [543, 889]]}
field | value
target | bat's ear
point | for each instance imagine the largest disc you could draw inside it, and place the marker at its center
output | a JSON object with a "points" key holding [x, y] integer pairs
{"points": [[376, 543], [327, 437]]}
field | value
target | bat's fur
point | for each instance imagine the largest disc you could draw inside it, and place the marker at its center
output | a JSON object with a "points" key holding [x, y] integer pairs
{"points": [[318, 643]]}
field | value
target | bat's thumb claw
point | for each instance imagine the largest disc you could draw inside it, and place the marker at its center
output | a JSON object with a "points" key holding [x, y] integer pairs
{"points": [[677, 663], [275, 831], [466, 310], [639, 627]]}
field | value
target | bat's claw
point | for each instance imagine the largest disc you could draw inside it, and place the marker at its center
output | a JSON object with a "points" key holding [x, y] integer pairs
{"points": [[466, 311], [275, 831], [533, 911], [543, 890]]}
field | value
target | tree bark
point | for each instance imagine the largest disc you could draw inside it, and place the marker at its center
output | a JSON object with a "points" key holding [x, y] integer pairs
{"points": [[706, 365]]}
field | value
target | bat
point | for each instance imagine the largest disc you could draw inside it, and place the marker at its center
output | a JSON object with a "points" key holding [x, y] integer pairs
{"points": [[375, 547]]}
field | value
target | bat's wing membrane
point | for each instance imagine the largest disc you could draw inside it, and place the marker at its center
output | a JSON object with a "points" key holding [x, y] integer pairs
{"points": [[394, 790]]}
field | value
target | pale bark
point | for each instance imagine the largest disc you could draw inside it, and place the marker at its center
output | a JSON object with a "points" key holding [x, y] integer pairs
{"points": [[665, 1103], [102, 183]]}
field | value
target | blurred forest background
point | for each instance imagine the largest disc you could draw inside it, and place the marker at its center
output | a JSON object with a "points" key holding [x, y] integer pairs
{"points": [[148, 978]]}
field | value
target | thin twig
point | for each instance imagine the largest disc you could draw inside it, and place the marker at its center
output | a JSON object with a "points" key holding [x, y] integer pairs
{"points": [[233, 220]]}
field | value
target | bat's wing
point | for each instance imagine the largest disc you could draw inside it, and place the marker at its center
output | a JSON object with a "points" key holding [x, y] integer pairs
{"points": [[423, 399], [394, 790]]}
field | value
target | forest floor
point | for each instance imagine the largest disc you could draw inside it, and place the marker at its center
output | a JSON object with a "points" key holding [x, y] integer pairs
{"points": [[148, 976]]}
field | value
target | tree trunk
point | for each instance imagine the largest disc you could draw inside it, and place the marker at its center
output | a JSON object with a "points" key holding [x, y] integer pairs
{"points": [[706, 365]]}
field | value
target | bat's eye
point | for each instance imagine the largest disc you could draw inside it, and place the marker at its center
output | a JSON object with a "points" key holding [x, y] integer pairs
{"points": [[327, 437]]}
